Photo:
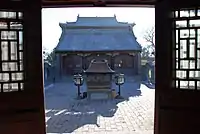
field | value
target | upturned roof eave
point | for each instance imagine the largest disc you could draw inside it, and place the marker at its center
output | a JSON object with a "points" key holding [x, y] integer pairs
{"points": [[92, 26], [94, 51], [75, 25]]}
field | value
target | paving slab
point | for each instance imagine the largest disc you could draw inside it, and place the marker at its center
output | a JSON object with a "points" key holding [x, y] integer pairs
{"points": [[132, 115]]}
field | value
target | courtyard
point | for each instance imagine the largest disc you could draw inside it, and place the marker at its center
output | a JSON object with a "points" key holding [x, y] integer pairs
{"points": [[132, 115]]}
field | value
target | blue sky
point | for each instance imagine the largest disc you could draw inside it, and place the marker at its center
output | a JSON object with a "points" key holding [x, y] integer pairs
{"points": [[144, 18]]}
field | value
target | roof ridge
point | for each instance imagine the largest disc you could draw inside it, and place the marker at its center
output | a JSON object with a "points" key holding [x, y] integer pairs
{"points": [[97, 21], [78, 16]]}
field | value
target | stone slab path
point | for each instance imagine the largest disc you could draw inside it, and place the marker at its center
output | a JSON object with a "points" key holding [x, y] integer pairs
{"points": [[132, 115]]}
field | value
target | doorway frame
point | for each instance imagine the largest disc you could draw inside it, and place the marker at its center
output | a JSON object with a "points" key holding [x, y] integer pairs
{"points": [[161, 14]]}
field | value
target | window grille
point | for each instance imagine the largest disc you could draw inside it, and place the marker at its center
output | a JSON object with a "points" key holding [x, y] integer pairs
{"points": [[186, 49], [11, 48]]}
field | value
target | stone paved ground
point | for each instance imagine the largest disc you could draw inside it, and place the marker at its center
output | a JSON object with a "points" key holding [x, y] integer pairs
{"points": [[132, 115]]}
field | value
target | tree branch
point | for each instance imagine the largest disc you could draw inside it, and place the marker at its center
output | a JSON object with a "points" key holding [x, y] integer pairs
{"points": [[149, 36]]}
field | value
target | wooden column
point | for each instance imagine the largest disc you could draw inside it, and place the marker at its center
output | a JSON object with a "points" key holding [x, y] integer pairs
{"points": [[135, 66], [61, 67], [133, 56], [84, 62], [112, 61], [139, 63], [83, 65]]}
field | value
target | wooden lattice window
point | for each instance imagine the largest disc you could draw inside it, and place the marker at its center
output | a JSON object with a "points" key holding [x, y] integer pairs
{"points": [[186, 49], [11, 48]]}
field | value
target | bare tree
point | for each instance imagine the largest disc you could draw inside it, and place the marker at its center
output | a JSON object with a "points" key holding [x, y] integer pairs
{"points": [[149, 37], [50, 57], [44, 52]]}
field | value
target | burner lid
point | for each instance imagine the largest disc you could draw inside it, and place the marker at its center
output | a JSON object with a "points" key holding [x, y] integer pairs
{"points": [[99, 66]]}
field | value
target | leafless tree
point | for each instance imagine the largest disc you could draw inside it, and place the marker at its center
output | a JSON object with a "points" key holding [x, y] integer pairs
{"points": [[49, 56], [44, 52], [149, 37]]}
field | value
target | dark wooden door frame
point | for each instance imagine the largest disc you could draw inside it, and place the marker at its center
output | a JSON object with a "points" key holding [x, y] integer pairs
{"points": [[29, 104], [22, 111], [34, 83], [175, 109]]}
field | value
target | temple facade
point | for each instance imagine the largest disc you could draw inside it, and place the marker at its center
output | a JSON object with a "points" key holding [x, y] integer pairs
{"points": [[97, 38]]}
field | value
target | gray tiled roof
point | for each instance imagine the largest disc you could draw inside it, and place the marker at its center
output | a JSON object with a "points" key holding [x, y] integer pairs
{"points": [[96, 21], [97, 39]]}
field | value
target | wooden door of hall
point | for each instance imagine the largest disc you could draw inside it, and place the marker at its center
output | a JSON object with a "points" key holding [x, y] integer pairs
{"points": [[21, 76], [177, 67]]}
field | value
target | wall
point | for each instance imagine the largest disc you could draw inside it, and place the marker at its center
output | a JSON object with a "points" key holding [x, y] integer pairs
{"points": [[73, 63]]}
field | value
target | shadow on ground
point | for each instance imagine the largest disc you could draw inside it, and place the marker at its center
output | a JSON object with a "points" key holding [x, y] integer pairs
{"points": [[149, 84], [73, 114]]}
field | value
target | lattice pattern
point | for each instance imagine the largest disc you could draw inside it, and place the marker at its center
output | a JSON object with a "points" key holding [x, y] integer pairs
{"points": [[11, 47], [186, 51]]}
